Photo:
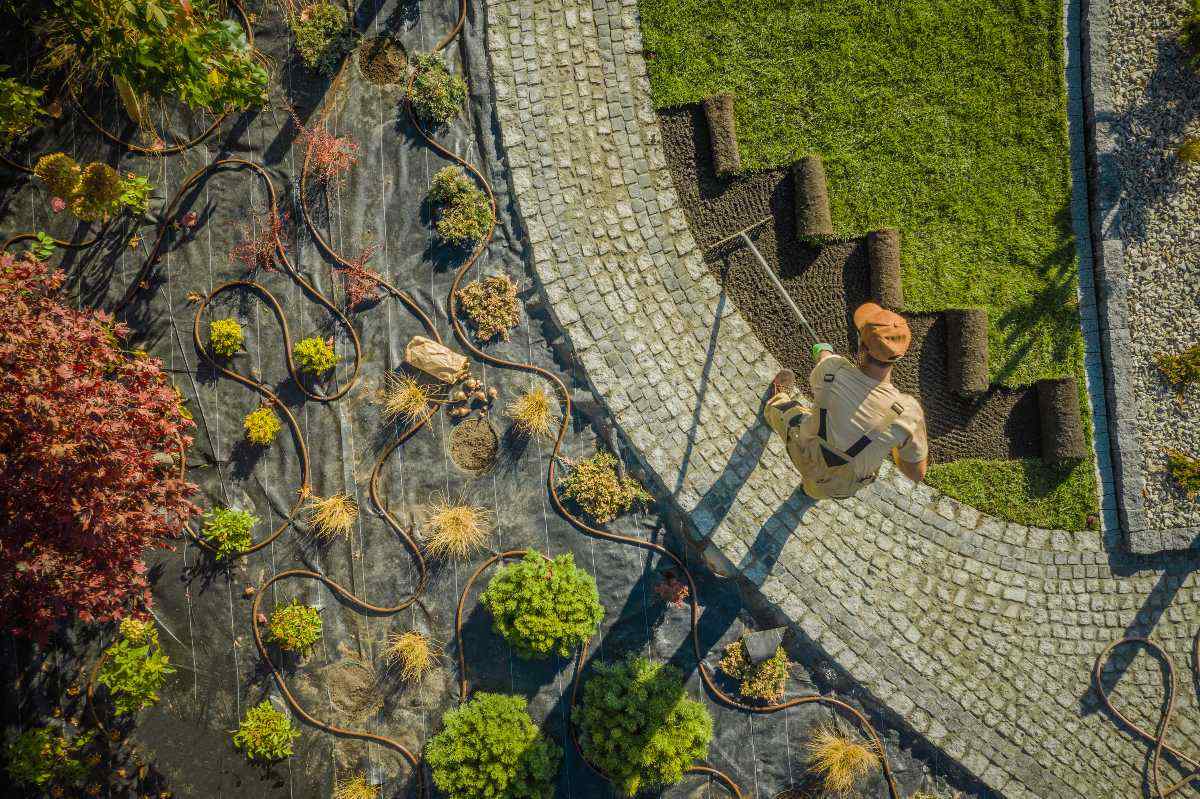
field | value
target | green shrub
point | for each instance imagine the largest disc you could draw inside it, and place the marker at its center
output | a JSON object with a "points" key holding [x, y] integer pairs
{"points": [[163, 48], [492, 305], [261, 426], [437, 96], [638, 726], [295, 627], [98, 193], [225, 337], [43, 246], [265, 733], [42, 757], [228, 530], [542, 606], [19, 110], [765, 681], [1182, 367], [314, 355], [1185, 470], [463, 211], [94, 191], [323, 35], [490, 748], [599, 491], [136, 667]]}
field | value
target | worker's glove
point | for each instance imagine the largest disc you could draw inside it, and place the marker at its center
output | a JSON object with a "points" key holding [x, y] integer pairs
{"points": [[817, 349]]}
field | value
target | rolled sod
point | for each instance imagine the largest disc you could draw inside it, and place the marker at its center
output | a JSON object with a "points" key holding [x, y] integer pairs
{"points": [[812, 198], [883, 253], [722, 134], [967, 351], [1062, 425]]}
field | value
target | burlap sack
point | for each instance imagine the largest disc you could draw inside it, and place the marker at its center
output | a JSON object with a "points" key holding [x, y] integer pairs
{"points": [[435, 359]]}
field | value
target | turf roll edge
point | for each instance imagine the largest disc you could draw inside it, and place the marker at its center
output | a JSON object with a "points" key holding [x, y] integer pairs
{"points": [[883, 254], [1062, 425], [967, 351], [813, 220], [722, 134]]}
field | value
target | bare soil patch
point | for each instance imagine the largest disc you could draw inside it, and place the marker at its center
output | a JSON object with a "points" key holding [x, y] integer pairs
{"points": [[474, 445], [382, 61]]}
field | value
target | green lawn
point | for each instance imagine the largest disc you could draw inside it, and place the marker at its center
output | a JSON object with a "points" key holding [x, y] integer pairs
{"points": [[943, 119]]}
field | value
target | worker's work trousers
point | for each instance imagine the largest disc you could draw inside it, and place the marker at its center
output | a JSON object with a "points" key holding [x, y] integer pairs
{"points": [[784, 413]]}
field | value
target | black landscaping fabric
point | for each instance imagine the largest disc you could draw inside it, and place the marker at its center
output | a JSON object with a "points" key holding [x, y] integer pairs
{"points": [[204, 618], [827, 283]]}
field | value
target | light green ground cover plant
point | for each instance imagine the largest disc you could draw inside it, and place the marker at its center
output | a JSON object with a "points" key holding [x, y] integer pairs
{"points": [[943, 118], [295, 627], [136, 667], [228, 530], [437, 95], [314, 355], [225, 337], [265, 733], [543, 606], [261, 426]]}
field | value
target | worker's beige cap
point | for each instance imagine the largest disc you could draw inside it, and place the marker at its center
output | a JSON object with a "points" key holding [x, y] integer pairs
{"points": [[883, 333]]}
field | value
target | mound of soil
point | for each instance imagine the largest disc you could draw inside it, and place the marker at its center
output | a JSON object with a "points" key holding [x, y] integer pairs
{"points": [[827, 283], [474, 445], [382, 61]]}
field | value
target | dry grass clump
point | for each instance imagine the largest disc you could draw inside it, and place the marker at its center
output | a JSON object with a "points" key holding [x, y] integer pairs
{"points": [[455, 528], [492, 305], [356, 787], [839, 760], [533, 412], [332, 516], [414, 653], [407, 398]]}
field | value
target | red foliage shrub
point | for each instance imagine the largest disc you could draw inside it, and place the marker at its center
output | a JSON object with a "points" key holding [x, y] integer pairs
{"points": [[672, 590], [84, 490], [362, 284], [257, 250], [331, 156]]}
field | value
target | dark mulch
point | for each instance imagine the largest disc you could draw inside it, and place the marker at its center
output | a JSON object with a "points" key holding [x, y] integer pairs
{"points": [[827, 283]]}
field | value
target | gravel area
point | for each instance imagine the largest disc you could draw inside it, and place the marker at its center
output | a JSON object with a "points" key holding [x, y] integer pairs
{"points": [[1157, 102]]}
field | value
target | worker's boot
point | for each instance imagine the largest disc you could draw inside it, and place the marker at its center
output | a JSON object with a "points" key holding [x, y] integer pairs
{"points": [[784, 382]]}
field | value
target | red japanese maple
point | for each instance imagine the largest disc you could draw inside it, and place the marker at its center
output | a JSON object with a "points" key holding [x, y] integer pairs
{"points": [[89, 439]]}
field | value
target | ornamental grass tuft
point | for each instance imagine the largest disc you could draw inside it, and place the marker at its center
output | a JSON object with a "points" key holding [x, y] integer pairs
{"points": [[437, 96], [407, 399], [839, 760], [599, 491], [266, 734], [764, 681], [533, 413], [356, 787], [332, 516], [492, 306], [295, 627], [315, 355], [1180, 368], [414, 652], [227, 530], [225, 337], [262, 426], [455, 529], [543, 607]]}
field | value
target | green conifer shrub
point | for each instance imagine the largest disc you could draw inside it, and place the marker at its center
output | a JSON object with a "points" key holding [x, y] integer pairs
{"points": [[136, 667], [323, 35], [543, 606], [1185, 470], [599, 491], [490, 748], [437, 96], [1180, 368], [463, 211], [638, 726]]}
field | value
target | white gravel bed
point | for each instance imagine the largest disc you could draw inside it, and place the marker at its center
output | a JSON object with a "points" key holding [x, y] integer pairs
{"points": [[1157, 102]]}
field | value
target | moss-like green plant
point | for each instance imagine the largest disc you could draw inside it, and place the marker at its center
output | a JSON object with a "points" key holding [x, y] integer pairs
{"points": [[59, 172], [94, 191], [1185, 470], [1180, 368], [225, 337], [1189, 151], [492, 305], [437, 96], [261, 426], [599, 491], [323, 35], [638, 726], [765, 681], [490, 748], [265, 733], [543, 606], [228, 530], [98, 194], [42, 757], [295, 627], [314, 355], [136, 667], [464, 213], [19, 110], [1189, 36]]}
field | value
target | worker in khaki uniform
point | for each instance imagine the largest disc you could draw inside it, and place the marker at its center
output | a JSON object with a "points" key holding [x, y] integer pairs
{"points": [[857, 416]]}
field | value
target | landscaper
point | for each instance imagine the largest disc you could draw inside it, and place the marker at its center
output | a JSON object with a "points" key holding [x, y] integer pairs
{"points": [[839, 440]]}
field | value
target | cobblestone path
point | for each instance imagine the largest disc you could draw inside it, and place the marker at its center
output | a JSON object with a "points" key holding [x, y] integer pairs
{"points": [[980, 635]]}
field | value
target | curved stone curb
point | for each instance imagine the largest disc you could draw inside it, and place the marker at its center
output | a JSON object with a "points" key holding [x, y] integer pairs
{"points": [[979, 635]]}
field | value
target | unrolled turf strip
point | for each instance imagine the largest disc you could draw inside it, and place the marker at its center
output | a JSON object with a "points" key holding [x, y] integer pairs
{"points": [[828, 283]]}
